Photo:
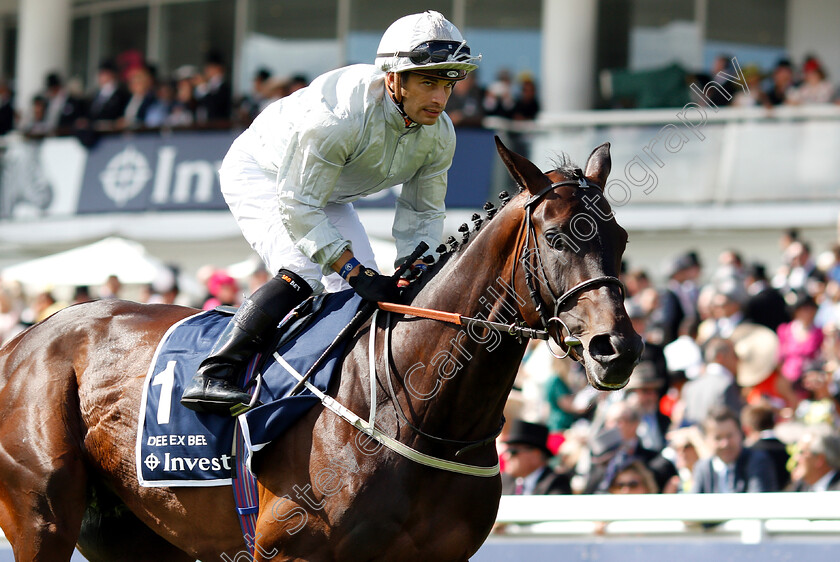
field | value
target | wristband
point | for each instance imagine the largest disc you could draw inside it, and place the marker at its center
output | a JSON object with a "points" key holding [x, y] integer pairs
{"points": [[348, 267]]}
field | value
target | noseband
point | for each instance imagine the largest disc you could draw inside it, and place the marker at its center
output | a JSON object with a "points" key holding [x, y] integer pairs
{"points": [[570, 341]]}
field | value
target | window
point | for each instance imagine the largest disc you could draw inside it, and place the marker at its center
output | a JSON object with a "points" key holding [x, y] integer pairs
{"points": [[124, 34], [80, 49], [191, 30]]}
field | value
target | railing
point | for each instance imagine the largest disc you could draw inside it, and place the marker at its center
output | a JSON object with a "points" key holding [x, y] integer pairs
{"points": [[755, 162], [752, 518]]}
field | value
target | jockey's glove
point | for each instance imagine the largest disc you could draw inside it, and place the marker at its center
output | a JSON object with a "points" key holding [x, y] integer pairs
{"points": [[372, 286]]}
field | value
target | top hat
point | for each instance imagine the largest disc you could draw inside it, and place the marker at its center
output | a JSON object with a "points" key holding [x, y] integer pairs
{"points": [[531, 434]]}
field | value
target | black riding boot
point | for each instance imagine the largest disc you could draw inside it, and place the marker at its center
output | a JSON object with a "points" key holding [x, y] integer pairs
{"points": [[213, 389]]}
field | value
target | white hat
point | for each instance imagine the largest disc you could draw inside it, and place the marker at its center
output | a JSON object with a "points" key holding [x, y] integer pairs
{"points": [[425, 42]]}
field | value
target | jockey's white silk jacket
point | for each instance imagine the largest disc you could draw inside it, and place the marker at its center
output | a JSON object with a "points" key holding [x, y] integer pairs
{"points": [[343, 138]]}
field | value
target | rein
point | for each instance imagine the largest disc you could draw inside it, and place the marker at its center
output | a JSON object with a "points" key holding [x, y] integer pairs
{"points": [[369, 427], [467, 445]]}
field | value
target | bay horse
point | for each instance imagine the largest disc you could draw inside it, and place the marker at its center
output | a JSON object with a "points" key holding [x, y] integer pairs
{"points": [[72, 385]]}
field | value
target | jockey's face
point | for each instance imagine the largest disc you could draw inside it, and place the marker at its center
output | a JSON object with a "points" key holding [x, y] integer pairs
{"points": [[424, 98]]}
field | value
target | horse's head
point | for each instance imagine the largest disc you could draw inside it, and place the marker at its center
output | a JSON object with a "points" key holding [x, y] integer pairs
{"points": [[569, 256]]}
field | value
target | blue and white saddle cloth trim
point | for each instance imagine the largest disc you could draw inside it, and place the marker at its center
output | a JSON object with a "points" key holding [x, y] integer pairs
{"points": [[178, 447]]}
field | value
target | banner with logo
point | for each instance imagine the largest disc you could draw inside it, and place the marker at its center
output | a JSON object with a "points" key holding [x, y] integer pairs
{"points": [[155, 172]]}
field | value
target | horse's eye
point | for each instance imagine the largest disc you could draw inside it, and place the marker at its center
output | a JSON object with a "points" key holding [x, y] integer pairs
{"points": [[555, 240]]}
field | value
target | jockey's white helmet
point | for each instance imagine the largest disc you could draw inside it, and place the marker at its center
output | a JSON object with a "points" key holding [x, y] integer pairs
{"points": [[427, 43]]}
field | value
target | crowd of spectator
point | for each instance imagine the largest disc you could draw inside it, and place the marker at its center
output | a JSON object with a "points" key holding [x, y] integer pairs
{"points": [[737, 390], [130, 95], [786, 83]]}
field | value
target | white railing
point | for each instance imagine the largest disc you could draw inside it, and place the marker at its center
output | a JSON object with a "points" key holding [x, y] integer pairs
{"points": [[697, 157], [754, 518]]}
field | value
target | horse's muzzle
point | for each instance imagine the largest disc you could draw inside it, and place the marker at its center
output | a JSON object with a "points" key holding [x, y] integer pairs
{"points": [[610, 358]]}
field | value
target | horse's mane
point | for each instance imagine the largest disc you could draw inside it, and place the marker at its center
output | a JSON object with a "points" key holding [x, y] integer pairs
{"points": [[453, 248]]}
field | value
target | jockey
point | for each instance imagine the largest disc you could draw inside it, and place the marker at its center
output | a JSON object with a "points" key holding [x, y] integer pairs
{"points": [[290, 180]]}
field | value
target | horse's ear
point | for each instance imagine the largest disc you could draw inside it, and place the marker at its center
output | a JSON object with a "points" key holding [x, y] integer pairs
{"points": [[599, 164], [523, 171]]}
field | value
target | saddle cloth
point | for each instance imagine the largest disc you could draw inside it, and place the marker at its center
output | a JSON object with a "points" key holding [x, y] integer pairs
{"points": [[179, 447]]}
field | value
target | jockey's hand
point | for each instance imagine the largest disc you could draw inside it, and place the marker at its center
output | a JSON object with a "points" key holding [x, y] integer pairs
{"points": [[372, 286], [416, 269]]}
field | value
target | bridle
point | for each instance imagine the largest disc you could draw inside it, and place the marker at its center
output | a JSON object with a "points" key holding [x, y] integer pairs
{"points": [[524, 256]]}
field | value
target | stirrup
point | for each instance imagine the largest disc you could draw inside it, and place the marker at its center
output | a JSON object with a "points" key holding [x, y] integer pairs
{"points": [[241, 408]]}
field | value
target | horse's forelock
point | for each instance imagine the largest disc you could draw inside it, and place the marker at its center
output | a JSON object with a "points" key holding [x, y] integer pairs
{"points": [[564, 166]]}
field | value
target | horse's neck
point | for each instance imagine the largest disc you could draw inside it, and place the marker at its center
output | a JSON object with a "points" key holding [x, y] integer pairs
{"points": [[469, 372]]}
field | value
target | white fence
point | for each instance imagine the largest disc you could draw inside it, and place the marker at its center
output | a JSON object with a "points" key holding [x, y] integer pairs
{"points": [[749, 518]]}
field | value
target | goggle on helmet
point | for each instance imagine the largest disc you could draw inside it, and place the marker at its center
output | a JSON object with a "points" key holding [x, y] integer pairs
{"points": [[428, 44], [431, 53]]}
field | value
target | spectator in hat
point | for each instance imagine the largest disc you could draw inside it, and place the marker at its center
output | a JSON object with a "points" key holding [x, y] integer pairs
{"points": [[63, 108], [731, 468], [109, 101], [643, 392], [526, 456], [815, 88], [765, 304], [757, 348], [758, 422], [141, 103], [603, 448], [223, 289], [816, 461], [214, 94], [800, 339]]}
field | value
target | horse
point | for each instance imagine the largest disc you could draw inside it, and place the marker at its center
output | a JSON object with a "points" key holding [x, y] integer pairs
{"points": [[72, 385]]}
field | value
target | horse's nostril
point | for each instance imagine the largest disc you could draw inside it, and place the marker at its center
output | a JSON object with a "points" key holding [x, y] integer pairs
{"points": [[601, 346], [608, 347]]}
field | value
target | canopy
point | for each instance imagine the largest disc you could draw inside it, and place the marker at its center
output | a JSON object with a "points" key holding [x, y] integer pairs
{"points": [[89, 265]]}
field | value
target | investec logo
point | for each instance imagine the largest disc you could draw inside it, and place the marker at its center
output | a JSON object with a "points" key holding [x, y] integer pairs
{"points": [[127, 173], [181, 464]]}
